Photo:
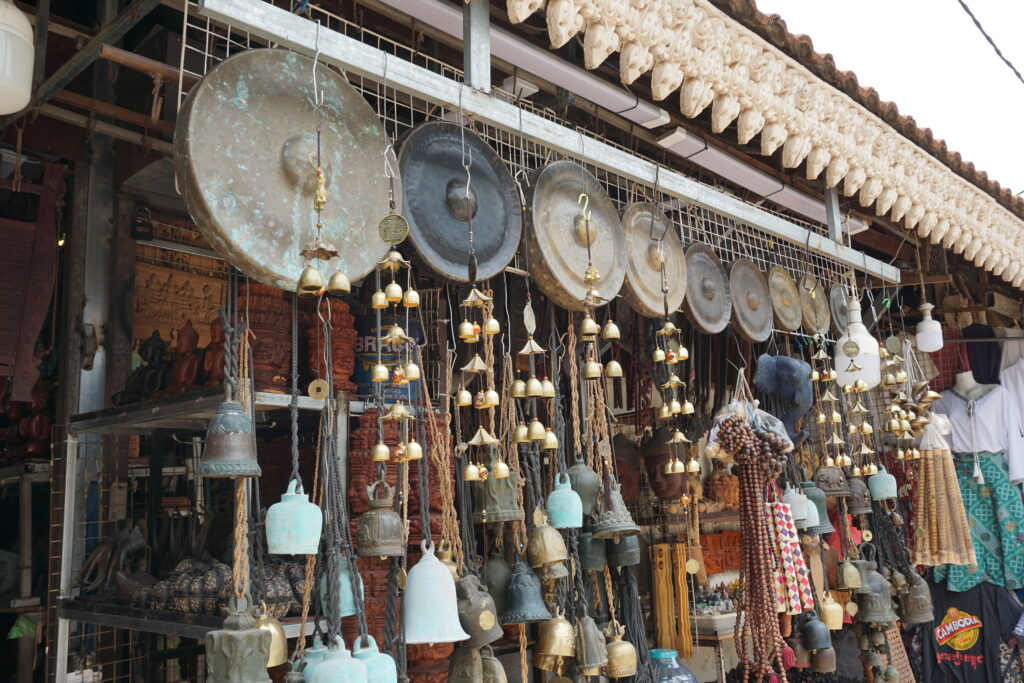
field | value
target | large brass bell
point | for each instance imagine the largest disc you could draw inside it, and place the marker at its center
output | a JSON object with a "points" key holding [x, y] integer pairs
{"points": [[493, 671], [380, 530], [916, 604], [230, 444], [465, 665], [615, 521], [524, 599], [545, 546], [591, 649], [496, 574], [278, 640], [477, 613], [585, 483], [238, 652], [622, 659], [556, 640], [430, 611]]}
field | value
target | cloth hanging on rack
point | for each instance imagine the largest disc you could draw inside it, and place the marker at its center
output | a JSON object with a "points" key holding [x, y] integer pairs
{"points": [[991, 423], [995, 516], [1013, 348], [985, 357], [948, 359], [793, 579], [1012, 379]]}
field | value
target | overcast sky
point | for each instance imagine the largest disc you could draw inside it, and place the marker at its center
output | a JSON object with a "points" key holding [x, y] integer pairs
{"points": [[929, 58]]}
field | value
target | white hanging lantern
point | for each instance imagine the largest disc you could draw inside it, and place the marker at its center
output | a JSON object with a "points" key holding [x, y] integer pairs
{"points": [[17, 56], [929, 331], [856, 356]]}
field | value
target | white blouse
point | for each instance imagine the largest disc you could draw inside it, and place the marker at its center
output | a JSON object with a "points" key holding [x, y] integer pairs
{"points": [[992, 423]]}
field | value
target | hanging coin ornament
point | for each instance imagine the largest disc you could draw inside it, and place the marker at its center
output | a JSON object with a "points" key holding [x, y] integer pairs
{"points": [[318, 389]]}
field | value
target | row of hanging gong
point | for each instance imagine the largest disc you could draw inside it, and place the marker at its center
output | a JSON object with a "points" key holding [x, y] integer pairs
{"points": [[466, 217]]}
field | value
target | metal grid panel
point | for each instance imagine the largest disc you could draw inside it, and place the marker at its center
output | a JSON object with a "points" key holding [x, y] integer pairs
{"points": [[206, 43]]}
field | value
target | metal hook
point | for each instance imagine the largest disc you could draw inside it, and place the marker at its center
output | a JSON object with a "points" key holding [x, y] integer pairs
{"points": [[584, 200], [389, 170]]}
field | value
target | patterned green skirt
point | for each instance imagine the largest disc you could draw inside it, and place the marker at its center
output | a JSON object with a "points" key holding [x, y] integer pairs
{"points": [[995, 515]]}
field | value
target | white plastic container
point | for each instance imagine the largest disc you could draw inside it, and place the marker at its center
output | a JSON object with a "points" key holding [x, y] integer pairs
{"points": [[16, 57]]}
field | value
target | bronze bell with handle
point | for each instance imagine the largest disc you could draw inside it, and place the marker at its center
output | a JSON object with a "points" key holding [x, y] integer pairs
{"points": [[615, 522], [476, 612], [524, 600], [591, 649], [380, 531], [916, 603], [497, 499], [493, 671], [622, 658], [465, 665], [230, 444]]}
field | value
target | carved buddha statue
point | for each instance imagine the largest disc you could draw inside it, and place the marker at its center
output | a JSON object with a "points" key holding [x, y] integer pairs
{"points": [[184, 374], [146, 379], [657, 453]]}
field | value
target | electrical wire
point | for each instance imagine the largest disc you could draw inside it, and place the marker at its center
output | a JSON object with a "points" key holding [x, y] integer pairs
{"points": [[991, 42]]}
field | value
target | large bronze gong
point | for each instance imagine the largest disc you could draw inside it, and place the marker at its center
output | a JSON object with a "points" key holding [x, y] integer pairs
{"points": [[785, 299], [751, 303], [245, 160], [439, 210], [556, 235], [643, 223], [814, 302], [838, 301], [708, 304]]}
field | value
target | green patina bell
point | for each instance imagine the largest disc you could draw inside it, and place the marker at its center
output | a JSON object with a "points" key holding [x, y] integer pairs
{"points": [[293, 525], [497, 499], [238, 652], [493, 671], [230, 444], [585, 483], [565, 509], [525, 600], [338, 664], [477, 613], [593, 552], [465, 665], [380, 667], [346, 600], [496, 573]]}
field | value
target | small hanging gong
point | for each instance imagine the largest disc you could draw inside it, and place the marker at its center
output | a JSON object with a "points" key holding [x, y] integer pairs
{"points": [[785, 299], [560, 197], [708, 304], [439, 208], [751, 303], [837, 300], [646, 227], [814, 302], [245, 157]]}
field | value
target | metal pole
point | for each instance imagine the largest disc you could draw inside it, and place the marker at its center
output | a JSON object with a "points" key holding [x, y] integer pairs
{"points": [[66, 555], [341, 435], [476, 36], [833, 217]]}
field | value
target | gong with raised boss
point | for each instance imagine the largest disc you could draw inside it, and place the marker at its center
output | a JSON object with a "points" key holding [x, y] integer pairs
{"points": [[751, 302], [652, 243], [708, 303]]}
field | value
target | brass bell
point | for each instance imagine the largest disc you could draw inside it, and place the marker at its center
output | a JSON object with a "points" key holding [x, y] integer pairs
{"points": [[832, 375], [610, 331], [477, 612], [860, 385], [466, 331], [821, 418], [411, 298], [831, 613], [491, 399], [675, 407], [521, 434], [547, 388], [687, 408], [588, 327], [500, 470], [815, 376], [930, 396], [556, 637], [550, 441], [693, 466], [665, 412], [310, 282], [901, 376], [379, 300], [525, 603], [471, 472], [866, 428], [380, 373], [413, 451], [682, 353], [412, 372], [675, 466], [393, 292], [518, 389], [552, 663], [591, 370], [845, 461], [591, 650], [658, 356], [381, 452], [545, 546], [612, 369], [536, 431], [463, 398], [622, 659], [230, 444], [493, 671], [836, 418], [465, 665], [380, 531], [847, 388], [851, 429], [534, 389], [339, 285], [491, 326], [855, 472], [278, 640]]}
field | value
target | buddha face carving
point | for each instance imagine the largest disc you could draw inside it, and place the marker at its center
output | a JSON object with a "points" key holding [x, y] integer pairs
{"points": [[656, 453]]}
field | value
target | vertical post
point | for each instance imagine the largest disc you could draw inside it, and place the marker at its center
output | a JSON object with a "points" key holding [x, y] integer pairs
{"points": [[476, 38], [26, 646], [60, 673], [41, 32], [833, 217], [341, 436]]}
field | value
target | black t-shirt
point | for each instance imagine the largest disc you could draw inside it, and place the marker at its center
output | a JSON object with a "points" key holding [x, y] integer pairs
{"points": [[962, 643]]}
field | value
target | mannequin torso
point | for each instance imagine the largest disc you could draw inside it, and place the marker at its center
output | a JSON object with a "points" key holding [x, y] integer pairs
{"points": [[966, 386]]}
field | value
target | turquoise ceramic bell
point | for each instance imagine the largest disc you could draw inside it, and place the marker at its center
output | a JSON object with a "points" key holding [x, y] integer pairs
{"points": [[882, 485], [346, 600], [565, 509], [312, 656], [430, 609], [380, 667], [294, 524], [338, 665]]}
